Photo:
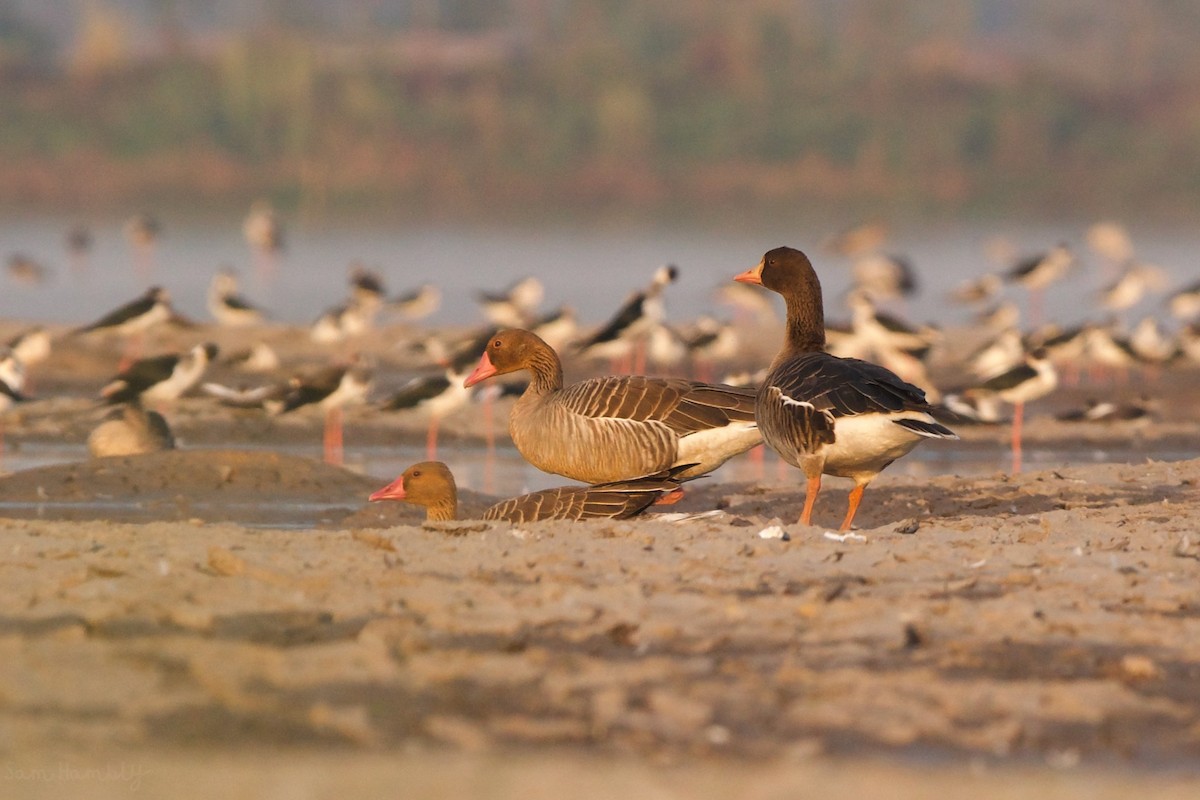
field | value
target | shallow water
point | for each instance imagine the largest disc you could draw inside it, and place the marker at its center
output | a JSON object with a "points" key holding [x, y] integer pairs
{"points": [[504, 473], [590, 269]]}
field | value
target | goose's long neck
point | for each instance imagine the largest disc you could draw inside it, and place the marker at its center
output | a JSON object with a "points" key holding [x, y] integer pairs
{"points": [[805, 317], [444, 510], [545, 370]]}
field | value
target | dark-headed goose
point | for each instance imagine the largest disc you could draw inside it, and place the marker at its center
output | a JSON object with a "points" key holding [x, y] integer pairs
{"points": [[830, 415]]}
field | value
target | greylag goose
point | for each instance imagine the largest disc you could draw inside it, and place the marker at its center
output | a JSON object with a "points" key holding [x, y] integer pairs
{"points": [[430, 484], [830, 415], [616, 428]]}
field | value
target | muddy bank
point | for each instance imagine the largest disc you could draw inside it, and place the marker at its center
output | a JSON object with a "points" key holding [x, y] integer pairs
{"points": [[1045, 621]]}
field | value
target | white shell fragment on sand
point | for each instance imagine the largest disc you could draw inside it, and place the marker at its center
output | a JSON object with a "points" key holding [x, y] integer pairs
{"points": [[774, 532], [842, 537], [687, 516]]}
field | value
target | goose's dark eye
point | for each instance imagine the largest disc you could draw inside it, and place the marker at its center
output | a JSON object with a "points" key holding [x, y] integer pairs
{"points": [[497, 343], [417, 474]]}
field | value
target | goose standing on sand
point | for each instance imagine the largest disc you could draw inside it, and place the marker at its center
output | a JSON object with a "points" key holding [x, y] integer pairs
{"points": [[829, 415], [430, 484], [160, 379], [626, 332], [616, 428]]}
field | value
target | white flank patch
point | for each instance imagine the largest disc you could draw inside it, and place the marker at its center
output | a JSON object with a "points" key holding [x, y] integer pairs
{"points": [[864, 443], [715, 446]]}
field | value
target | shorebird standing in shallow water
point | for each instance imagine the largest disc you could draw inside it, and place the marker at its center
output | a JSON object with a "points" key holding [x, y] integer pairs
{"points": [[1037, 272], [827, 415], [417, 304], [330, 389], [9, 396], [514, 307], [1033, 378], [142, 231], [263, 230], [434, 396], [160, 379], [132, 320], [227, 306], [79, 246], [623, 338]]}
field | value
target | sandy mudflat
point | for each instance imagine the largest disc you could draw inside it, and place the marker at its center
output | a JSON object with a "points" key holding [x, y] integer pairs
{"points": [[1030, 632], [239, 623]]}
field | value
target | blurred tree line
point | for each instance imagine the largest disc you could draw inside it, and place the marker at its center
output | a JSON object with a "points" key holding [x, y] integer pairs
{"points": [[452, 106]]}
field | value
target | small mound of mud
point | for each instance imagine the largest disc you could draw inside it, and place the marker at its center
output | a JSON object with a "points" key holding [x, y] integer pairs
{"points": [[253, 488]]}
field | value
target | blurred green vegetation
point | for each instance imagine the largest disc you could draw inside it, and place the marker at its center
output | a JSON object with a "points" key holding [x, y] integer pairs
{"points": [[466, 106]]}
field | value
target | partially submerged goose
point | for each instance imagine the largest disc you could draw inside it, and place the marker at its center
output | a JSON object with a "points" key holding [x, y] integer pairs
{"points": [[616, 428], [130, 431], [430, 484], [830, 415]]}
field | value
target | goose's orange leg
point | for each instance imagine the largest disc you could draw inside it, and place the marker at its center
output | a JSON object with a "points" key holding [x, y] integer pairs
{"points": [[855, 498], [810, 499]]}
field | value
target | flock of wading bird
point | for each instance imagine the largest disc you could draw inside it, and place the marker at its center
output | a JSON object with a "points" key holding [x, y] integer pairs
{"points": [[841, 400]]}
